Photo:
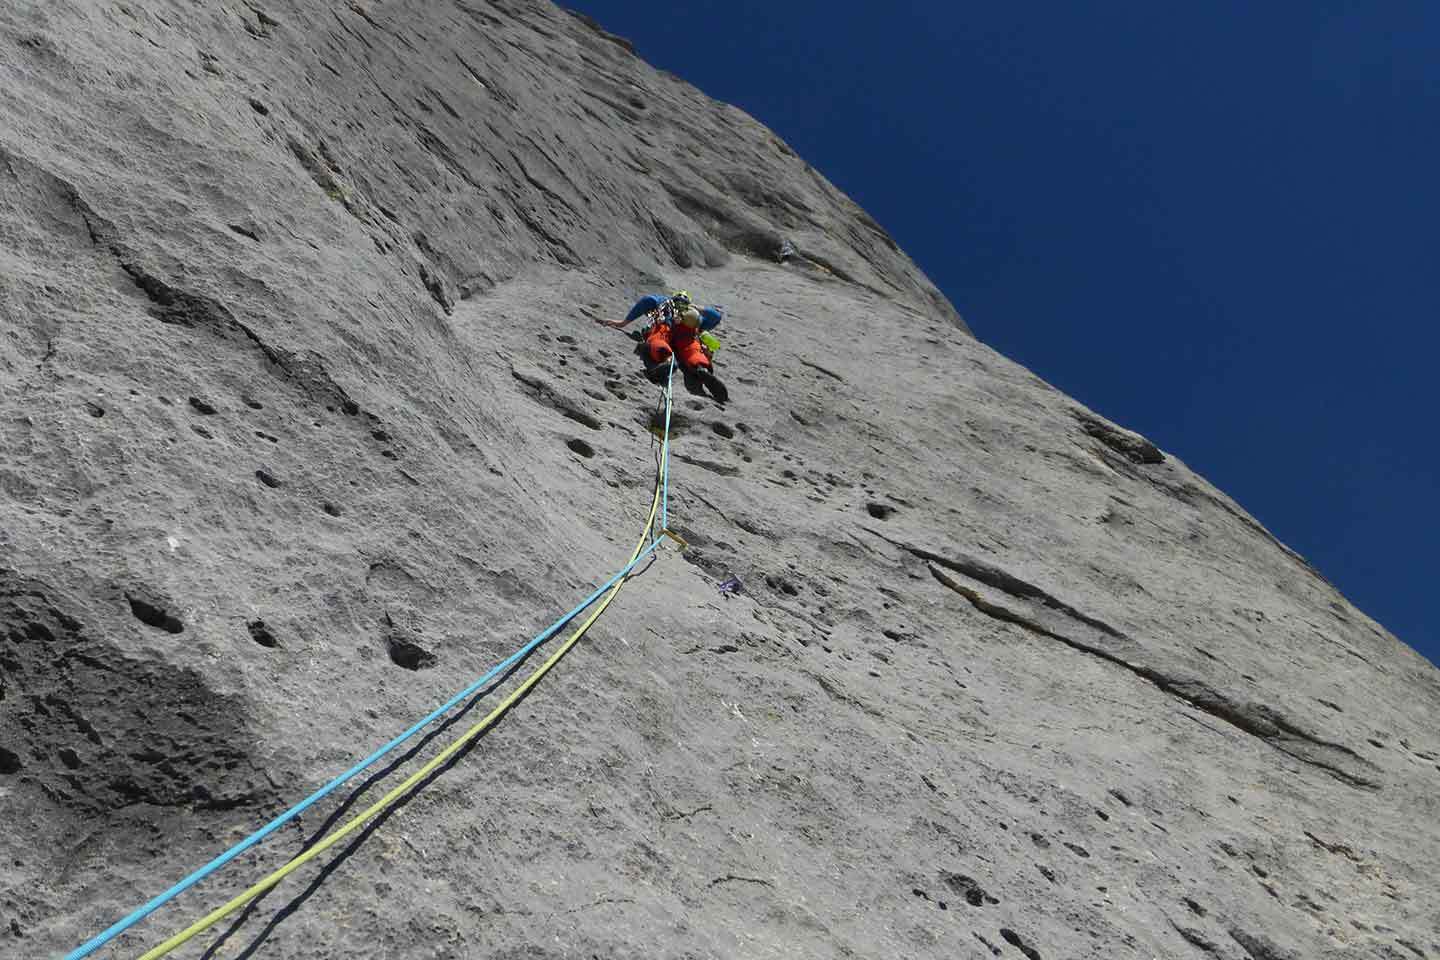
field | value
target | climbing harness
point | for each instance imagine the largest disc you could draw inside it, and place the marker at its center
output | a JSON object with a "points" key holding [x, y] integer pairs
{"points": [[649, 542]]}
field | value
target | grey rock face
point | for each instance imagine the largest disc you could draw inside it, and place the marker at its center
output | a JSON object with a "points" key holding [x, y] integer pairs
{"points": [[306, 424]]}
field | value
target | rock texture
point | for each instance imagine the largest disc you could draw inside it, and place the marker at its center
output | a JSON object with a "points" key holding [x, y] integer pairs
{"points": [[306, 424]]}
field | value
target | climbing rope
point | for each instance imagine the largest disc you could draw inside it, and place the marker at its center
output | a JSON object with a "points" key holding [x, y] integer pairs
{"points": [[665, 451], [401, 789], [659, 504]]}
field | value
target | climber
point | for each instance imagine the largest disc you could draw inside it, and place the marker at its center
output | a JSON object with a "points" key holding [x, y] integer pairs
{"points": [[677, 326]]}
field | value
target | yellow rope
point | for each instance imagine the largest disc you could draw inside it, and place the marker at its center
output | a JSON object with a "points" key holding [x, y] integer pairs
{"points": [[220, 913]]}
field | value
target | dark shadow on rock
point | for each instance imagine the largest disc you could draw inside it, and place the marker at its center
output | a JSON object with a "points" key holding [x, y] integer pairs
{"points": [[289, 909], [640, 571]]}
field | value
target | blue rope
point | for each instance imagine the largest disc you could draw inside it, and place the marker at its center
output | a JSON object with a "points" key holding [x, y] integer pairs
{"points": [[140, 913]]}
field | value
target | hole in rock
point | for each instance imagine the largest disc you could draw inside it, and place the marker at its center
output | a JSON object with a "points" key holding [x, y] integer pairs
{"points": [[38, 632], [880, 511], [723, 429], [9, 762], [968, 888], [411, 656], [94, 409], [1013, 938], [69, 757], [202, 406], [266, 478], [581, 447], [330, 508], [782, 585], [580, 416], [154, 616], [261, 634]]}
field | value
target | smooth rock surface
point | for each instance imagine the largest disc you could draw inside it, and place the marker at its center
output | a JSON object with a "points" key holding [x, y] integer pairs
{"points": [[306, 424]]}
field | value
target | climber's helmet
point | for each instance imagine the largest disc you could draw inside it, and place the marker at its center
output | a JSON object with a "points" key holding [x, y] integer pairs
{"points": [[681, 298]]}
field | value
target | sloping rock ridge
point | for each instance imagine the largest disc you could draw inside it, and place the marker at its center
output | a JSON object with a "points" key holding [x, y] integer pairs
{"points": [[306, 424]]}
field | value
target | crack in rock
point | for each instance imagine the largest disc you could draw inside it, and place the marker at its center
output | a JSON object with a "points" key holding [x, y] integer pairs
{"points": [[841, 696], [1258, 947], [542, 391], [1196, 939], [722, 469], [1339, 849], [1257, 719], [736, 878], [1129, 444], [993, 576], [173, 305]]}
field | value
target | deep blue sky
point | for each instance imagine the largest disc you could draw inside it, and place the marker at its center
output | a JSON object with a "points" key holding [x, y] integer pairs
{"points": [[1217, 223]]}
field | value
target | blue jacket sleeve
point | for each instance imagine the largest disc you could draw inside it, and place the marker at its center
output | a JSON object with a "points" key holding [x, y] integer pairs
{"points": [[643, 306]]}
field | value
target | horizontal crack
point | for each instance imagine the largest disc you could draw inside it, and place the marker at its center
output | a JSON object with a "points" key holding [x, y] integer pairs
{"points": [[687, 814], [723, 469], [825, 370], [841, 696], [1339, 849], [730, 877], [1258, 720], [542, 391], [993, 576]]}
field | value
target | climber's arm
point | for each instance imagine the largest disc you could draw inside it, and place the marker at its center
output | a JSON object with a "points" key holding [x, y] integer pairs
{"points": [[644, 307]]}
